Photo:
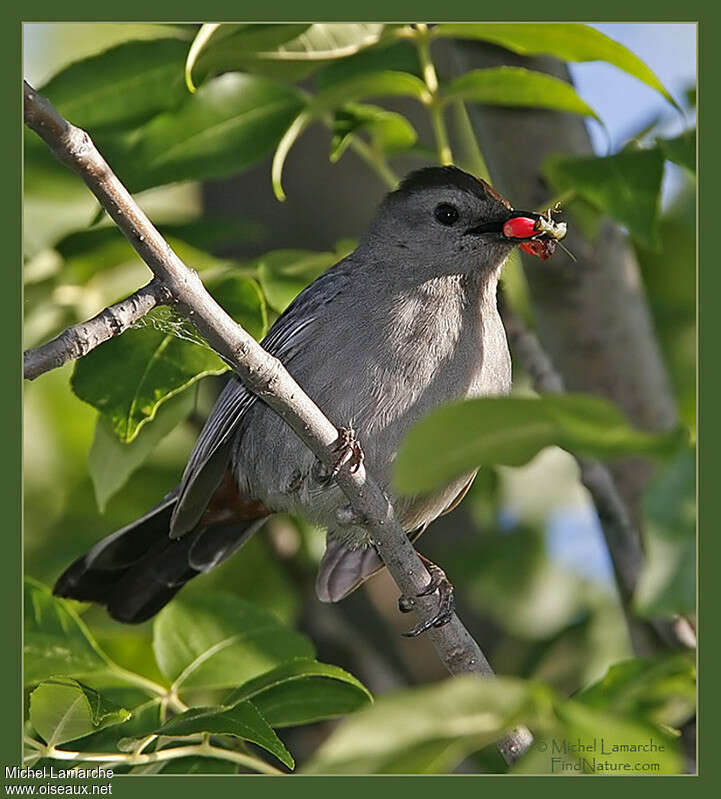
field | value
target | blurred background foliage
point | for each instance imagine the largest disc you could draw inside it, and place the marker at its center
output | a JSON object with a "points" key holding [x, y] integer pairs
{"points": [[107, 437]]}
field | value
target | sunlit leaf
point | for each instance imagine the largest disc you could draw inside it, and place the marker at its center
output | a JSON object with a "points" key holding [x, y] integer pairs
{"points": [[569, 42], [221, 641], [229, 124], [56, 641], [516, 86], [241, 721], [156, 366], [62, 709], [460, 437], [288, 52], [121, 86], [302, 691], [626, 186], [424, 730], [202, 37]]}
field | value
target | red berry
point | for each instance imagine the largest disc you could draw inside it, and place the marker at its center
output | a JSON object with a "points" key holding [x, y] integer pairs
{"points": [[520, 227]]}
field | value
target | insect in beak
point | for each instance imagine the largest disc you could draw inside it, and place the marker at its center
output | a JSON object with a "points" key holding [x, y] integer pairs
{"points": [[540, 233]]}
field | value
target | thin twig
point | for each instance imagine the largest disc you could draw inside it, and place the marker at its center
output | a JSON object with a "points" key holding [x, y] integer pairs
{"points": [[435, 106], [79, 339], [265, 376], [202, 750]]}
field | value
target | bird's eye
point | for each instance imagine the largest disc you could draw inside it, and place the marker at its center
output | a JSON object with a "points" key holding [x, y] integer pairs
{"points": [[446, 214]]}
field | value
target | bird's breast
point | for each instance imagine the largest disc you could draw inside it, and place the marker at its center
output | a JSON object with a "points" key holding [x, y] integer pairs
{"points": [[435, 347]]}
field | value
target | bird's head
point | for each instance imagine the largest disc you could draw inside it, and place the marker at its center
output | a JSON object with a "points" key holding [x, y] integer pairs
{"points": [[443, 221]]}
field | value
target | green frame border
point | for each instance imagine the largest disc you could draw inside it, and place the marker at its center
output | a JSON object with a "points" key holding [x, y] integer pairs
{"points": [[371, 10]]}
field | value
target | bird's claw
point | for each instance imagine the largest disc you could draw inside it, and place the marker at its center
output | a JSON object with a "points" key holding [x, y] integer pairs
{"points": [[348, 450], [446, 600]]}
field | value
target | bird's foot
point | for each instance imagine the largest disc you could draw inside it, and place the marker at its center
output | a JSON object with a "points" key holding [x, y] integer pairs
{"points": [[446, 599], [348, 452]]}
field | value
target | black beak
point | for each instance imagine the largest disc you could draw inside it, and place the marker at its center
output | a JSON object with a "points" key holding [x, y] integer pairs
{"points": [[497, 225], [487, 227]]}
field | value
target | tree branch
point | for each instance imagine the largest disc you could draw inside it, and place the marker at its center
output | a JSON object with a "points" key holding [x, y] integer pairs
{"points": [[79, 339], [265, 376]]}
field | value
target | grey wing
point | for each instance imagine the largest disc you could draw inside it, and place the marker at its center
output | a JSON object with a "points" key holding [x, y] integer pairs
{"points": [[211, 455]]}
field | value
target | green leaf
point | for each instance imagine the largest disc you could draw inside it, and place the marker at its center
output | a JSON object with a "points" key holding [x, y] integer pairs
{"points": [[593, 740], [302, 691], [425, 730], [681, 150], [243, 299], [197, 765], [385, 83], [390, 132], [156, 365], [203, 36], [458, 438], [241, 721], [157, 362], [668, 581], [56, 641], [594, 426], [220, 641], [660, 690], [124, 85], [375, 84], [229, 124], [111, 462], [62, 709], [283, 274], [87, 253], [569, 42], [289, 52], [397, 56], [626, 186], [516, 86], [145, 718]]}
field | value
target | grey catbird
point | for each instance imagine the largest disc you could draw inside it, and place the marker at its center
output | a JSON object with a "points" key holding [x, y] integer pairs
{"points": [[407, 322]]}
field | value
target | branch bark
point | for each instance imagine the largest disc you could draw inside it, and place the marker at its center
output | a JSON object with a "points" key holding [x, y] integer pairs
{"points": [[79, 339], [266, 377]]}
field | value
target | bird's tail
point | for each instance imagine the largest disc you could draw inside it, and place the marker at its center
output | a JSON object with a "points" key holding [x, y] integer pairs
{"points": [[139, 569]]}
